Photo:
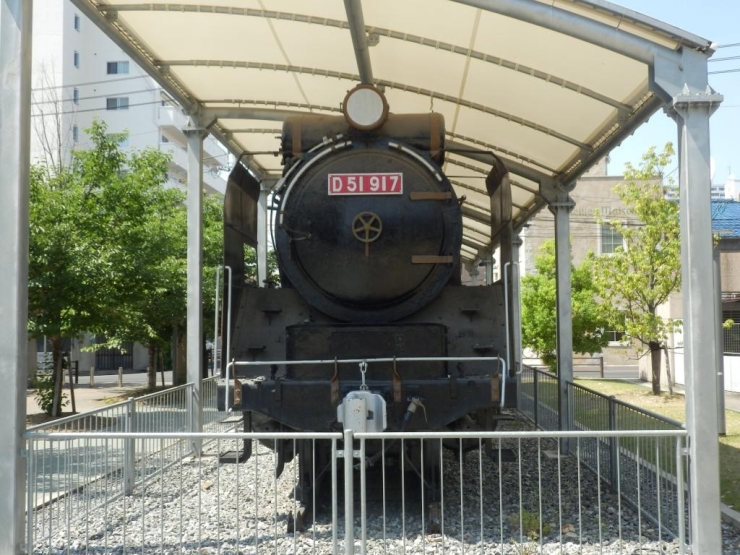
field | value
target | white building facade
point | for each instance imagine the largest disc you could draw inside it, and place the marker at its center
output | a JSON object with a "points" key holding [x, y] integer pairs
{"points": [[79, 74]]}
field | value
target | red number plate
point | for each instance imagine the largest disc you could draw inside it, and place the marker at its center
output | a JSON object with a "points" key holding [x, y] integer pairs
{"points": [[365, 183]]}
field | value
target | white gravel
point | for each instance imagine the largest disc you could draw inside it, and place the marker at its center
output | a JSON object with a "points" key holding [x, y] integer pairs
{"points": [[180, 512]]}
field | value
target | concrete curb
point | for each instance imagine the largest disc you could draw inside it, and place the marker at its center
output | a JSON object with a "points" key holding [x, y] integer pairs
{"points": [[730, 516]]}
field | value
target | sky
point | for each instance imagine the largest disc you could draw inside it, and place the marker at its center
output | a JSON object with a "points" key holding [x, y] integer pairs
{"points": [[719, 22]]}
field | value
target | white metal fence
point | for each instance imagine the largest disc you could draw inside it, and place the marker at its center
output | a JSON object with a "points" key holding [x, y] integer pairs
{"points": [[130, 478], [514, 493], [107, 469], [647, 472], [731, 339]]}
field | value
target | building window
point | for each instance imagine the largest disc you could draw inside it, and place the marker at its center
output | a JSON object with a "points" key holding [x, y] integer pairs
{"points": [[614, 337], [165, 139], [77, 23], [115, 68], [76, 59], [116, 103], [75, 133], [76, 95], [611, 239]]}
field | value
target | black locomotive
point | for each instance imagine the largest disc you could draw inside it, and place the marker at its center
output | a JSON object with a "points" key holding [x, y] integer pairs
{"points": [[368, 231]]}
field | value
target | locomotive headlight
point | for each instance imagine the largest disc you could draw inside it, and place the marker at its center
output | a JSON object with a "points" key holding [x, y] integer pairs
{"points": [[365, 108]]}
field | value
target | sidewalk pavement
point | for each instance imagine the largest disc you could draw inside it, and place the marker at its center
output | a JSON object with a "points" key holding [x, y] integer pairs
{"points": [[86, 398]]}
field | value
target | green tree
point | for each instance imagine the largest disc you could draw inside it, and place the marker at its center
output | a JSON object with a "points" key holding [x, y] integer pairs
{"points": [[148, 224], [634, 281], [149, 227], [108, 249], [538, 308], [71, 272]]}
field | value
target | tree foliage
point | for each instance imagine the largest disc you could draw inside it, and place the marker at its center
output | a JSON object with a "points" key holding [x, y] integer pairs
{"points": [[539, 308], [108, 247], [71, 272], [634, 281]]}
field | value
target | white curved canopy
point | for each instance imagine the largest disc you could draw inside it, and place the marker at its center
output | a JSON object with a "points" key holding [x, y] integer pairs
{"points": [[549, 86]]}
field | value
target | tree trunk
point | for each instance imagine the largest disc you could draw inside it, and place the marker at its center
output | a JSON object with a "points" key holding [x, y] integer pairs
{"points": [[655, 363], [669, 374], [181, 376], [58, 372], [151, 371]]}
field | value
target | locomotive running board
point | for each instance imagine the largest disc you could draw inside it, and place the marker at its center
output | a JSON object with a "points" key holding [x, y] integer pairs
{"points": [[428, 259], [430, 195]]}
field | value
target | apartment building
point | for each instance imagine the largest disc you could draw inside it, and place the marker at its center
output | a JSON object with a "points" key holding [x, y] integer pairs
{"points": [[79, 74]]}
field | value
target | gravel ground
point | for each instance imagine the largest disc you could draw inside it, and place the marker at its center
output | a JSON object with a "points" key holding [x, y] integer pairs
{"points": [[179, 512]]}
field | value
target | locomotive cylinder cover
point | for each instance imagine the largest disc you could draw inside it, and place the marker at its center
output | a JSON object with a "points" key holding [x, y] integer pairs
{"points": [[369, 228]]}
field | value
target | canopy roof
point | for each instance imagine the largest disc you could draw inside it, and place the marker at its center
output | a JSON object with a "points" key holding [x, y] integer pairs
{"points": [[548, 85]]}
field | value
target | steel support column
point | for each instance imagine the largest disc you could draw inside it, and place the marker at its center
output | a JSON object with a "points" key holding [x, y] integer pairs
{"points": [[473, 271], [262, 232], [719, 338], [701, 357], [516, 321], [195, 263], [561, 209], [15, 118], [489, 270]]}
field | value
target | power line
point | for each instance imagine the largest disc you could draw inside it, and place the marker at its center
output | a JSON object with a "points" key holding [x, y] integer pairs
{"points": [[83, 98], [725, 71], [724, 59], [96, 109], [728, 45], [104, 81]]}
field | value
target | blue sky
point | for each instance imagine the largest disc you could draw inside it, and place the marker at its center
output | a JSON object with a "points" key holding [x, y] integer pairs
{"points": [[718, 21]]}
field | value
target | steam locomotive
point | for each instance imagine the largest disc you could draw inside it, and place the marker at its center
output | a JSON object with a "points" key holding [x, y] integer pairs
{"points": [[368, 232]]}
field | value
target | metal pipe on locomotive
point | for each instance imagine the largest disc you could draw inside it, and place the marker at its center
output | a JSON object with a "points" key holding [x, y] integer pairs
{"points": [[368, 236]]}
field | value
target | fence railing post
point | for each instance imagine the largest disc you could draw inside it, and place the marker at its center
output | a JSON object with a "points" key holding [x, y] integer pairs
{"points": [[613, 443], [536, 399], [682, 491], [129, 449], [349, 517], [30, 492], [196, 444]]}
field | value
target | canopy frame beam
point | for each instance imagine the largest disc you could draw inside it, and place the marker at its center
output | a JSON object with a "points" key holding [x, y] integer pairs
{"points": [[356, 21], [579, 27]]}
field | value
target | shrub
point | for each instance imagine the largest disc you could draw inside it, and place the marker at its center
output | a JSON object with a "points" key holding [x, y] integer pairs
{"points": [[45, 393]]}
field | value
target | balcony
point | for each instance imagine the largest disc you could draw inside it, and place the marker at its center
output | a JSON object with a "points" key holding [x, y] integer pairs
{"points": [[212, 181], [172, 120], [170, 116]]}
